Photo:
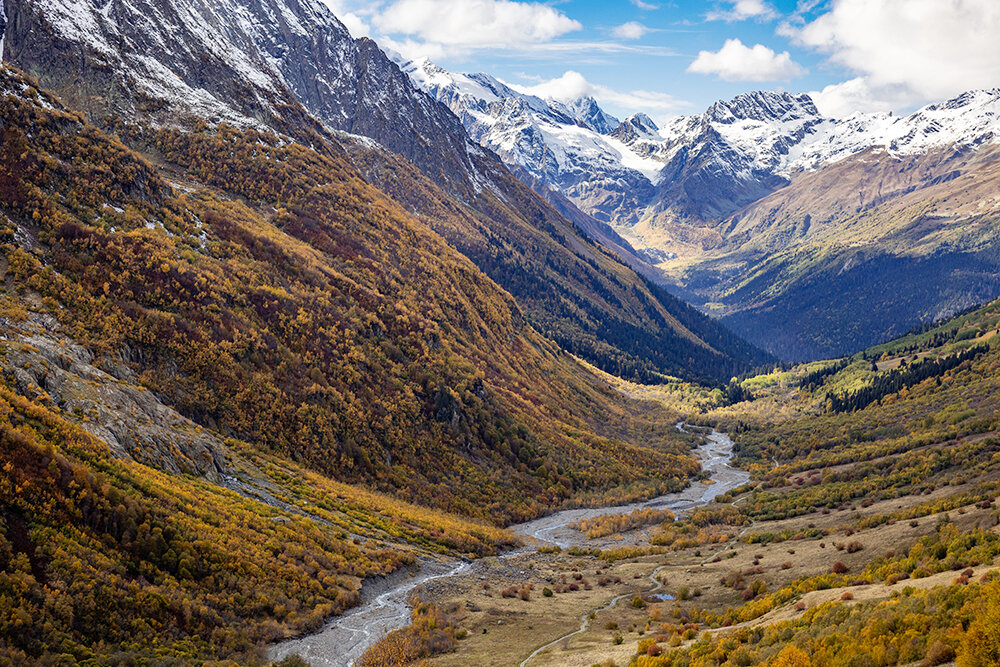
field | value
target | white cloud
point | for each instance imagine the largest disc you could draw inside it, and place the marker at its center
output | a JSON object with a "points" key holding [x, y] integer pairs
{"points": [[737, 62], [409, 49], [573, 85], [644, 5], [474, 23], [919, 50], [630, 30], [570, 86], [742, 10], [840, 100], [457, 29]]}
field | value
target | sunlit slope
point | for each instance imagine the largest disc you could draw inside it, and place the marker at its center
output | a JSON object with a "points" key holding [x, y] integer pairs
{"points": [[857, 252]]}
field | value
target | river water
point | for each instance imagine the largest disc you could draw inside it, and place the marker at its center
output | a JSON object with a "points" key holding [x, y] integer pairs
{"points": [[385, 604]]}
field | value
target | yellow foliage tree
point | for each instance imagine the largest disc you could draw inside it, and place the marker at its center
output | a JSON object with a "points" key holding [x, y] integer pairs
{"points": [[981, 645], [792, 656]]}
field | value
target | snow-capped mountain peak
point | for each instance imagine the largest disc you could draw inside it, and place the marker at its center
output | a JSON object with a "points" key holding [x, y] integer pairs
{"points": [[565, 145], [969, 120], [465, 92], [764, 106], [704, 165], [588, 113], [637, 127]]}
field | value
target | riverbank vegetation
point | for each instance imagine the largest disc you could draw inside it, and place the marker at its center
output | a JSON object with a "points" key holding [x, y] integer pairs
{"points": [[431, 632], [609, 524]]}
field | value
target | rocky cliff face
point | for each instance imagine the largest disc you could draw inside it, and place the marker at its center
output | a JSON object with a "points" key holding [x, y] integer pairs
{"points": [[103, 397]]}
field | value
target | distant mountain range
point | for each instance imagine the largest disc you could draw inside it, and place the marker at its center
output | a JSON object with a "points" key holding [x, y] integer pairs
{"points": [[721, 199]]}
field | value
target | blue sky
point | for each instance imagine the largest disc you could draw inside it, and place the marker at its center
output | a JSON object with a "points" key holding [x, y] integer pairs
{"points": [[669, 57]]}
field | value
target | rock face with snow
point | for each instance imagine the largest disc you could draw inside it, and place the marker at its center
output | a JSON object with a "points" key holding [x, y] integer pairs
{"points": [[703, 166], [567, 146], [246, 62]]}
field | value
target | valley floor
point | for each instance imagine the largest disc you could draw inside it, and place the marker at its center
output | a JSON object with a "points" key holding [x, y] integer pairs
{"points": [[505, 631], [865, 537]]}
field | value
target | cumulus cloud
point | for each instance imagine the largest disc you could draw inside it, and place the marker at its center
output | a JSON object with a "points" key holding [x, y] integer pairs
{"points": [[906, 51], [840, 100], [741, 10], [474, 23], [630, 30], [408, 49], [737, 62], [644, 5], [573, 85], [570, 86]]}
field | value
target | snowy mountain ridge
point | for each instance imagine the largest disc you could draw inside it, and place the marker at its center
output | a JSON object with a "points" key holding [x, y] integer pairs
{"points": [[568, 147], [735, 152], [276, 65]]}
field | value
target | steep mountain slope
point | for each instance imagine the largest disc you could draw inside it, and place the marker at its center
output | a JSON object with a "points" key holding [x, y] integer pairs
{"points": [[624, 324], [300, 321], [277, 297], [886, 222], [859, 250], [730, 156], [279, 64], [248, 63], [699, 167], [106, 560], [739, 151]]}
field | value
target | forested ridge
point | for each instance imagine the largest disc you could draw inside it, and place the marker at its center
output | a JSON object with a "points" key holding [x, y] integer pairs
{"points": [[573, 290], [901, 378]]}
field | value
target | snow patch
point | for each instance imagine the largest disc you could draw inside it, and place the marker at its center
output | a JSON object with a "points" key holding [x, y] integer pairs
{"points": [[3, 28]]}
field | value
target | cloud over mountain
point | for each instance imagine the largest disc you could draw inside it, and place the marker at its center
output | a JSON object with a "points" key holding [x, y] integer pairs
{"points": [[736, 61]]}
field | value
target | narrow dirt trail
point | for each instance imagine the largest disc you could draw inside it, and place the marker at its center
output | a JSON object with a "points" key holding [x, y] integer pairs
{"points": [[716, 454]]}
